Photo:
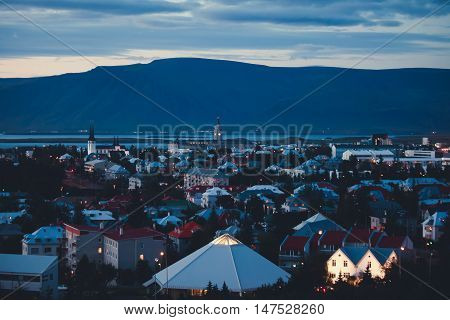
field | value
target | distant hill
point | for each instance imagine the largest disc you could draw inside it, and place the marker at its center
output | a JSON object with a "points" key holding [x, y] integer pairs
{"points": [[198, 90]]}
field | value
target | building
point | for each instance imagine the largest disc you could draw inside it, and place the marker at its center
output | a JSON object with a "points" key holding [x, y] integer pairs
{"points": [[83, 241], [316, 224], [98, 217], [381, 139], [218, 133], [95, 166], [427, 154], [223, 260], [46, 241], [210, 196], [353, 262], [124, 247], [91, 148], [115, 171], [293, 251], [432, 227], [181, 236], [8, 217], [34, 275], [205, 177], [294, 204], [369, 154]]}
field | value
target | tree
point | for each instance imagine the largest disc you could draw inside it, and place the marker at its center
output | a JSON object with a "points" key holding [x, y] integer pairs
{"points": [[143, 271], [225, 292]]}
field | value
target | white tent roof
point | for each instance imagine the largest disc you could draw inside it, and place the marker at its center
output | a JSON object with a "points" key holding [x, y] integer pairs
{"points": [[225, 259]]}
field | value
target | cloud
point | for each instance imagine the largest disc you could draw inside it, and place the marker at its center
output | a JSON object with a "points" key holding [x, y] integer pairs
{"points": [[321, 12], [116, 7]]}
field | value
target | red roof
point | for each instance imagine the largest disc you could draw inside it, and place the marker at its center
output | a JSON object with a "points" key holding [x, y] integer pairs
{"points": [[333, 238], [78, 229], [132, 233], [186, 231], [358, 236], [121, 198], [391, 242], [296, 243], [326, 185]]}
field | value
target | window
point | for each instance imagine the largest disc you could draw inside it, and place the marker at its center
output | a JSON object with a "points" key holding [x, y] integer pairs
{"points": [[369, 264], [141, 257], [332, 275], [142, 245], [333, 263], [345, 263], [47, 250], [34, 250], [99, 250], [346, 275]]}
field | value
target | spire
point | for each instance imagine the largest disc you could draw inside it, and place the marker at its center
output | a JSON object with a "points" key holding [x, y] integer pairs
{"points": [[218, 120], [91, 132]]}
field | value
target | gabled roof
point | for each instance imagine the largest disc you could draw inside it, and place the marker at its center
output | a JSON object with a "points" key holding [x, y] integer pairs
{"points": [[45, 235], [333, 238], [355, 254], [315, 224], [224, 260], [296, 243]]}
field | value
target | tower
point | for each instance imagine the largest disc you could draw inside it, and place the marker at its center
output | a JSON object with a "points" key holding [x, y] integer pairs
{"points": [[217, 132], [91, 148]]}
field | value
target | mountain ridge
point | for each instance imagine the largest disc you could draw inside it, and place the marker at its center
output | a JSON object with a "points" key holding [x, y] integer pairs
{"points": [[197, 90]]}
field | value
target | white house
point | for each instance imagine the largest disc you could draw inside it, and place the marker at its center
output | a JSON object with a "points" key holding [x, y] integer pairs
{"points": [[205, 177], [368, 154], [432, 227], [33, 274], [353, 262], [210, 196], [45, 241], [96, 217], [95, 166]]}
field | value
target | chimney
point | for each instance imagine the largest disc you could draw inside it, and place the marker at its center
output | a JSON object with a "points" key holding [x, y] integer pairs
{"points": [[121, 231]]}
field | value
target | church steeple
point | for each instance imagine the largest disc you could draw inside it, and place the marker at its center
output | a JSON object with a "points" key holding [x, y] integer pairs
{"points": [[91, 132], [91, 147]]}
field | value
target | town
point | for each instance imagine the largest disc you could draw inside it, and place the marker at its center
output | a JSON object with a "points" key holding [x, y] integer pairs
{"points": [[226, 218]]}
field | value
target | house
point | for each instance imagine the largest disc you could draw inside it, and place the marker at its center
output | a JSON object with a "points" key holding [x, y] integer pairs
{"points": [[353, 262], [293, 251], [210, 196], [395, 242], [331, 240], [83, 241], [181, 236], [260, 189], [294, 205], [169, 220], [95, 166], [8, 217], [97, 217], [138, 181], [195, 194], [432, 227], [205, 177], [223, 260], [316, 224], [45, 241], [115, 171], [123, 247], [34, 275]]}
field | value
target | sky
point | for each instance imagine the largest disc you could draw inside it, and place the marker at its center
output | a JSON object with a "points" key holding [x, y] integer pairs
{"points": [[49, 37]]}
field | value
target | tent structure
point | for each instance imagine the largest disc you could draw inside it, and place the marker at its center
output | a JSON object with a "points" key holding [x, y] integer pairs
{"points": [[224, 260]]}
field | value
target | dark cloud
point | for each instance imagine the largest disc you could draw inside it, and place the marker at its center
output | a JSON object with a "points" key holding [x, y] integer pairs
{"points": [[117, 7], [322, 12]]}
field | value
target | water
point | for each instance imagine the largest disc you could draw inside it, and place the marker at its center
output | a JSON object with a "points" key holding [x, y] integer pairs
{"points": [[8, 141]]}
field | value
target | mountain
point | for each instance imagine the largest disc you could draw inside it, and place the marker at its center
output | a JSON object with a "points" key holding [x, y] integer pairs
{"points": [[199, 90]]}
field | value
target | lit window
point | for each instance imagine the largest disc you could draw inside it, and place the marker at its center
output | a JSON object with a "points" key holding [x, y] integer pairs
{"points": [[99, 250], [141, 257]]}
